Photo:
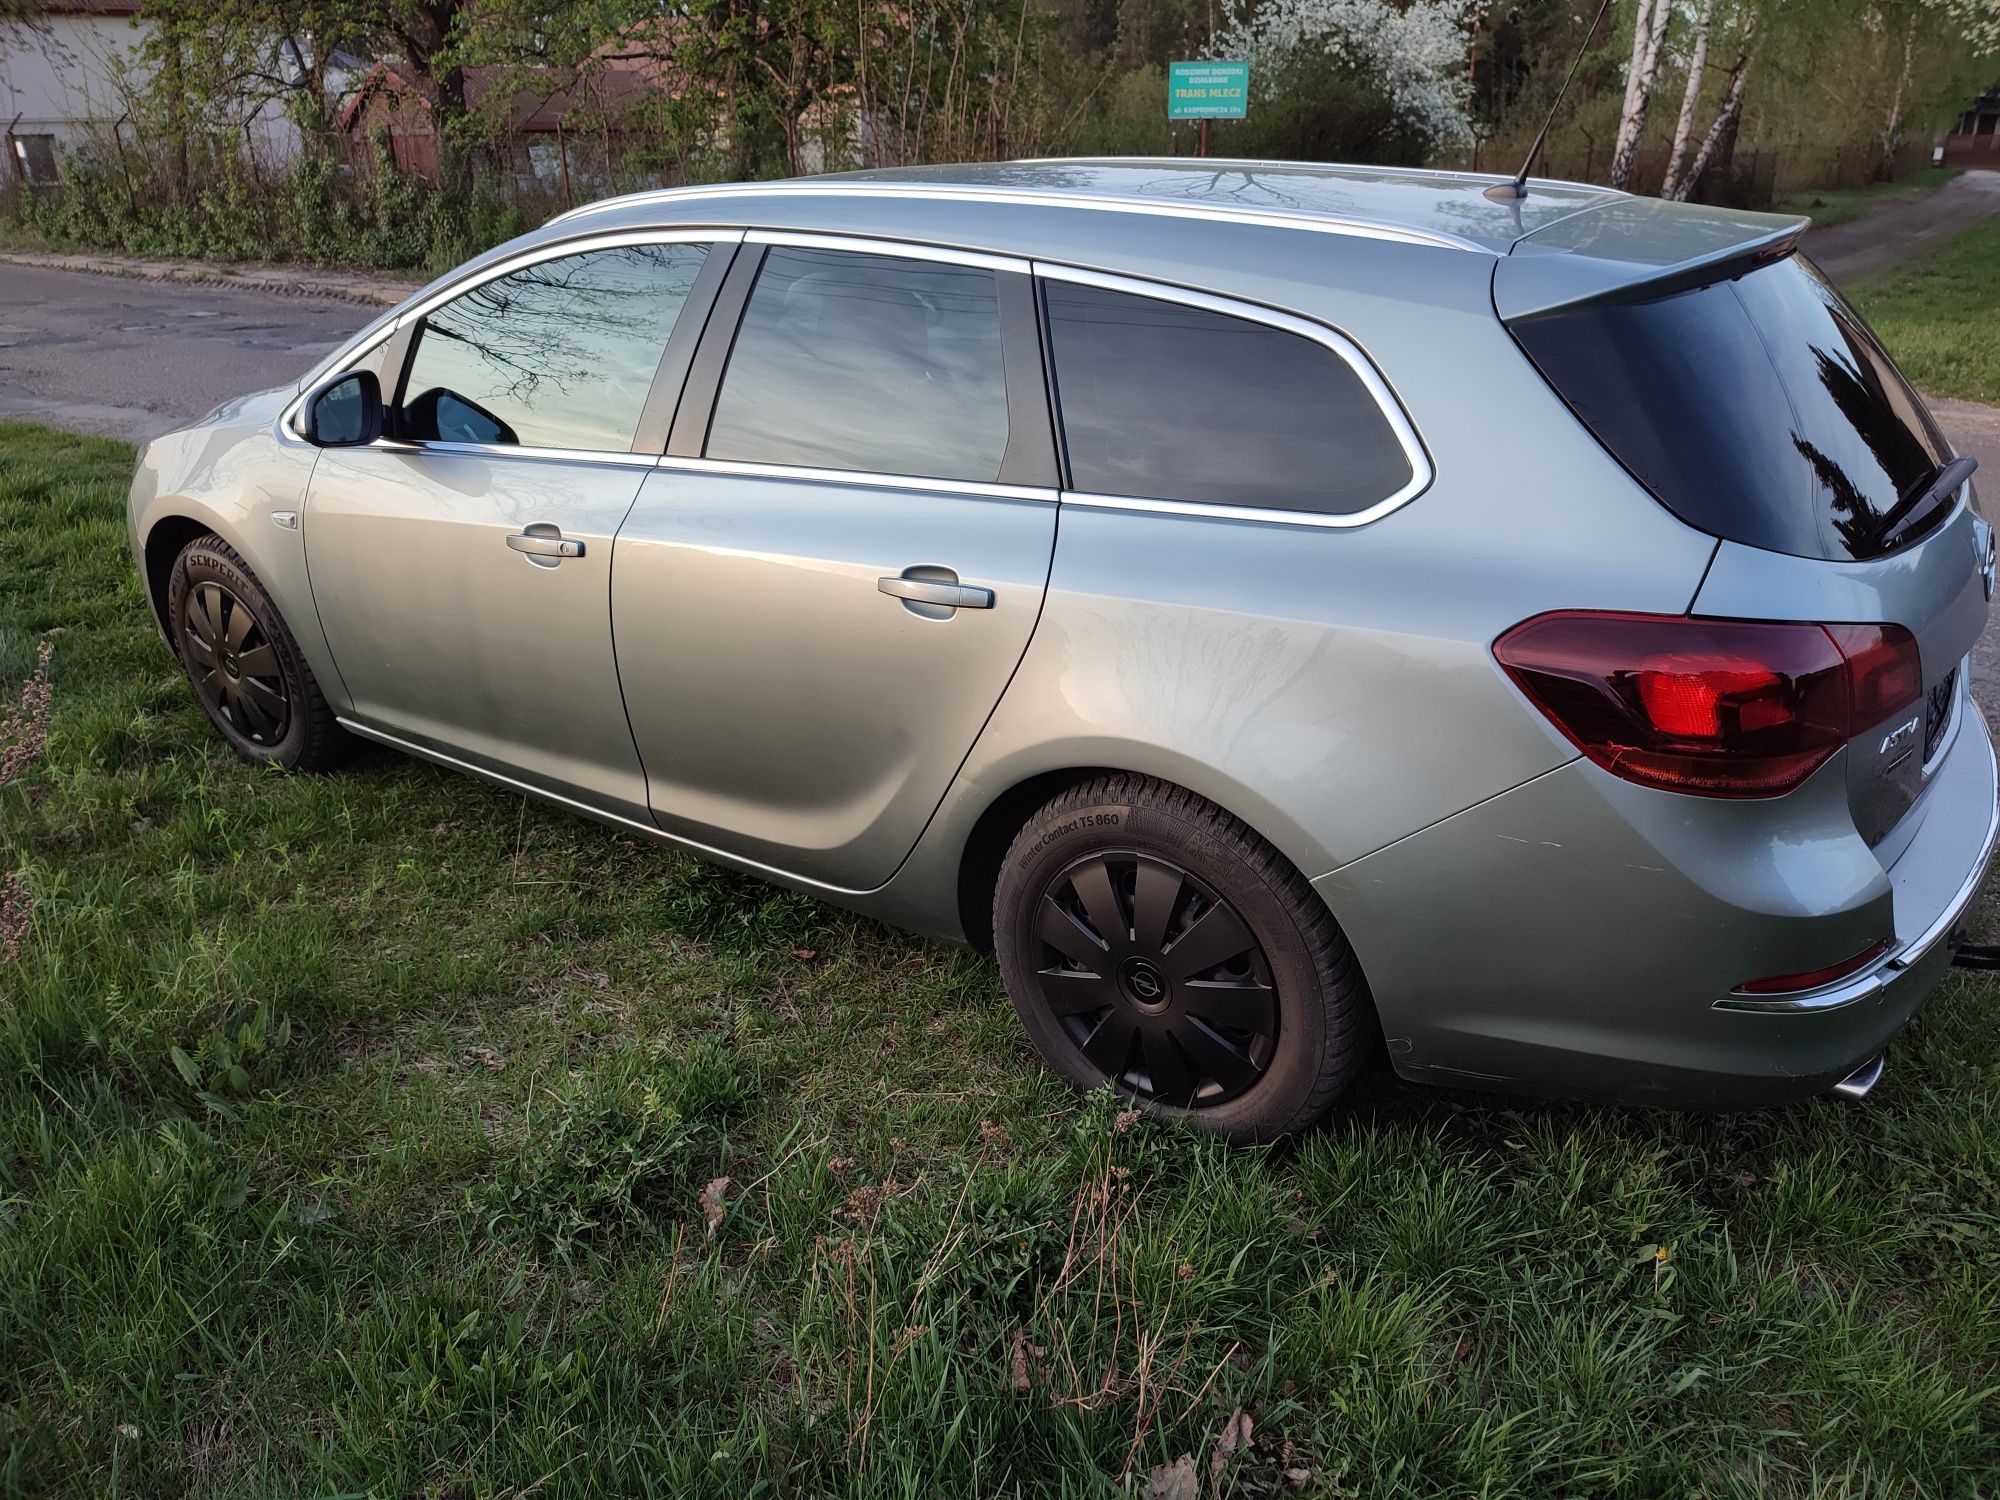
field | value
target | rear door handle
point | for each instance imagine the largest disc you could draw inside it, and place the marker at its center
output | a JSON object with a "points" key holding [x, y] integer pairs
{"points": [[536, 544], [930, 591]]}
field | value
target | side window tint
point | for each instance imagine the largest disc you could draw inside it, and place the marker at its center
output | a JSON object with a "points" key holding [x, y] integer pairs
{"points": [[869, 362], [1170, 402], [556, 355]]}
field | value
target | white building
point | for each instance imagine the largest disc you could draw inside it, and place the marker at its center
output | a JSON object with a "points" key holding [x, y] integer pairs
{"points": [[68, 76]]}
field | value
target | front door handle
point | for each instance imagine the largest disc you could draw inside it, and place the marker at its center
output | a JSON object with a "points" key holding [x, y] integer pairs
{"points": [[933, 591], [545, 544]]}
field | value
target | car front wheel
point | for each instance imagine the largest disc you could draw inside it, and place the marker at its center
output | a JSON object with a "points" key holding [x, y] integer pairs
{"points": [[1152, 942], [246, 668]]}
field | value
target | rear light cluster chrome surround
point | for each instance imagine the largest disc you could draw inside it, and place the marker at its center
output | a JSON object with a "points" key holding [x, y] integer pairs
{"points": [[1711, 708], [1813, 979]]}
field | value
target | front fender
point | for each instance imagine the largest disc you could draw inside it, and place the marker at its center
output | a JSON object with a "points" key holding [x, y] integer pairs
{"points": [[234, 475]]}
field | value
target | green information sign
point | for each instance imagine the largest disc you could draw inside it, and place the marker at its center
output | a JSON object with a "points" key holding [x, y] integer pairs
{"points": [[1208, 90]]}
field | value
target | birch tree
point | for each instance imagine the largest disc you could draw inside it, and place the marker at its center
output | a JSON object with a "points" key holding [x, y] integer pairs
{"points": [[1725, 118], [1649, 35], [1892, 133], [1690, 101]]}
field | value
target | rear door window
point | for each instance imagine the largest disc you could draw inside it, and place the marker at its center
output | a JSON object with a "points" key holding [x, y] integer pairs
{"points": [[559, 354], [1166, 401], [1760, 409], [874, 363]]}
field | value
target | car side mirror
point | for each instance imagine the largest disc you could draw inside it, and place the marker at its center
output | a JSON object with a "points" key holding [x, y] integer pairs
{"points": [[344, 411]]}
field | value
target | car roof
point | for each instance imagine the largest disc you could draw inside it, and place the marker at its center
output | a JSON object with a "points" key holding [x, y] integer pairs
{"points": [[1452, 209]]}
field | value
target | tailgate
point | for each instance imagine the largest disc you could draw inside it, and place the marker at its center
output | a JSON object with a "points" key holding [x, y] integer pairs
{"points": [[1937, 590]]}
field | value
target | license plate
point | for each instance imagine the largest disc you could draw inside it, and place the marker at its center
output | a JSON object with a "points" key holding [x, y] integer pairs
{"points": [[1938, 712]]}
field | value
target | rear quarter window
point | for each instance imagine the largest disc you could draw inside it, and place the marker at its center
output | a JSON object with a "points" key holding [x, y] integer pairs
{"points": [[1165, 401]]}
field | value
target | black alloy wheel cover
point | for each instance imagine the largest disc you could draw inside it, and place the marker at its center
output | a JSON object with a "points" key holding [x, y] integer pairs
{"points": [[234, 663], [1157, 979]]}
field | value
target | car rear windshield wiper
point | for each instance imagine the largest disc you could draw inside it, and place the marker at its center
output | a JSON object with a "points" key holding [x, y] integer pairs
{"points": [[1917, 503]]}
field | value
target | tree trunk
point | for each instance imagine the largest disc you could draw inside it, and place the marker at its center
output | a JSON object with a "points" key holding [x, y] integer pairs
{"points": [[448, 110], [427, 34], [1892, 136], [1690, 101], [1649, 32], [173, 74], [1732, 107]]}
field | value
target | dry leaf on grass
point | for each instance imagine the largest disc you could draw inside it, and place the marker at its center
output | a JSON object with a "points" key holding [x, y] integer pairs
{"points": [[1174, 1481], [711, 1203], [1235, 1434]]}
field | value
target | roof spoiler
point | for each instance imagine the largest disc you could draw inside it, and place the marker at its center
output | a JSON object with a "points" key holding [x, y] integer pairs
{"points": [[1635, 250]]}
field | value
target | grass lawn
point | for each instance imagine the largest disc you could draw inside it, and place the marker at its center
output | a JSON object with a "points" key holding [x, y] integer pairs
{"points": [[1940, 315], [366, 1133], [1829, 206]]}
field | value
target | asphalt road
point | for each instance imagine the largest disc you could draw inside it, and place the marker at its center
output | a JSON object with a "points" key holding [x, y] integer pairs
{"points": [[130, 358], [1897, 228]]}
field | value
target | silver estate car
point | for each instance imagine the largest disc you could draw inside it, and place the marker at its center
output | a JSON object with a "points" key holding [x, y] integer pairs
{"points": [[1282, 610]]}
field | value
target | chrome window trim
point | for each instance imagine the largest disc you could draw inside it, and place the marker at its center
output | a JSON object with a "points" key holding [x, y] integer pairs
{"points": [[1085, 500], [1422, 473], [558, 249], [897, 249], [610, 458], [1356, 228], [287, 431], [856, 478]]}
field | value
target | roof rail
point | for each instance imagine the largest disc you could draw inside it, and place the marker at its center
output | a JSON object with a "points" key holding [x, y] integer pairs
{"points": [[1446, 174], [1279, 218]]}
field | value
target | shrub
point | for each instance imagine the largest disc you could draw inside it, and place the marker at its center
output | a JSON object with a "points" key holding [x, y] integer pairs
{"points": [[314, 211]]}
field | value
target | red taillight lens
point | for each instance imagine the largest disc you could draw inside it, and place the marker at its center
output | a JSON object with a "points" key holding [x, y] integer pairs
{"points": [[1884, 673], [1702, 697], [1720, 708]]}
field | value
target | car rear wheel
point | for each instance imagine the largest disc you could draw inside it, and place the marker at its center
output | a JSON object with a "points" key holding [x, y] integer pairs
{"points": [[246, 668], [1152, 942]]}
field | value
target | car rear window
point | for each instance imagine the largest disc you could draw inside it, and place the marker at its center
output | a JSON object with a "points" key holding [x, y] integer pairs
{"points": [[1165, 401], [1760, 409]]}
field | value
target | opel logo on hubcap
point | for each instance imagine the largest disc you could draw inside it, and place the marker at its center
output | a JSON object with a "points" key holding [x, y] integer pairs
{"points": [[1145, 984]]}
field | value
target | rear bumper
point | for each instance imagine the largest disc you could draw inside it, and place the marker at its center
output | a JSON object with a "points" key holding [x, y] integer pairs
{"points": [[1930, 909], [1582, 937]]}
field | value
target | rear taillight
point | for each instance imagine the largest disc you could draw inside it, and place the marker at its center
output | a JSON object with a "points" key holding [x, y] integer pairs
{"points": [[1884, 673], [1719, 708]]}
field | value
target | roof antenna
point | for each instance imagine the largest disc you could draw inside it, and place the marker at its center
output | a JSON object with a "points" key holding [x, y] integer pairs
{"points": [[1518, 188]]}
